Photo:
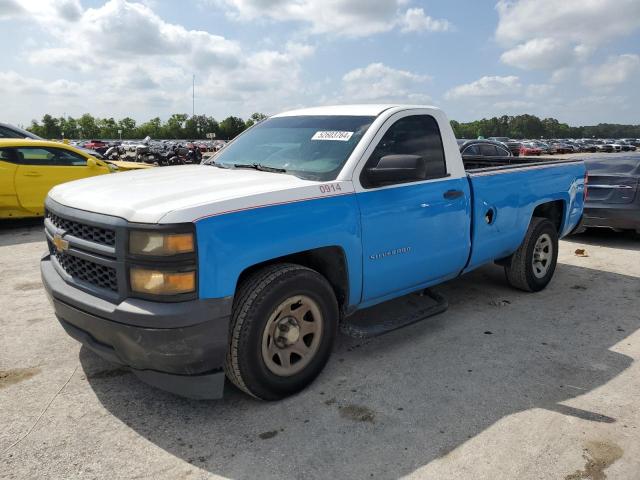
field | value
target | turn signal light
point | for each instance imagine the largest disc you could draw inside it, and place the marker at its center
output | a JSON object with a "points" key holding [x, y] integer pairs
{"points": [[156, 282]]}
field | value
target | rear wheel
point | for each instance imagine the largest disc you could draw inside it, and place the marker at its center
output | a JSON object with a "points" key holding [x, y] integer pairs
{"points": [[284, 322], [532, 266]]}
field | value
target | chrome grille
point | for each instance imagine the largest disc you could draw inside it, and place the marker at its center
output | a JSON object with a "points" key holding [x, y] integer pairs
{"points": [[100, 235]]}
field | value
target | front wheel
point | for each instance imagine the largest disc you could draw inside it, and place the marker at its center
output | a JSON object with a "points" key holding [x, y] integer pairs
{"points": [[533, 264], [283, 325]]}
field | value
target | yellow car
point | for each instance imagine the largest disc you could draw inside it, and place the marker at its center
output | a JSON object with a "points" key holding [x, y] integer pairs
{"points": [[30, 168]]}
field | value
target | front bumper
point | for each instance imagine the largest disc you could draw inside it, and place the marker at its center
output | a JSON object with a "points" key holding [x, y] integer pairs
{"points": [[179, 347]]}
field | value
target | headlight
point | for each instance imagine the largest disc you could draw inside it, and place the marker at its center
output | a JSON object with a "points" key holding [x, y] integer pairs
{"points": [[156, 282], [164, 244]]}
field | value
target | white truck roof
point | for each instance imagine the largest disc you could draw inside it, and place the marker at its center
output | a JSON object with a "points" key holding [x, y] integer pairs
{"points": [[355, 110]]}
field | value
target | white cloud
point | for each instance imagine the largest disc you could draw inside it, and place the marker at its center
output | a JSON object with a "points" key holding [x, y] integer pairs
{"points": [[546, 34], [614, 71], [588, 22], [349, 18], [415, 20], [539, 53], [125, 50], [378, 82], [514, 105], [12, 83], [486, 87], [536, 90], [10, 9]]}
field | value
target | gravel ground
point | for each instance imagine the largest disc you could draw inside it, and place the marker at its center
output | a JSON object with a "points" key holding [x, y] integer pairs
{"points": [[502, 385]]}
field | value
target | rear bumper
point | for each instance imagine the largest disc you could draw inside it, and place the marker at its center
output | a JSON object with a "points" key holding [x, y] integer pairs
{"points": [[625, 217], [179, 347]]}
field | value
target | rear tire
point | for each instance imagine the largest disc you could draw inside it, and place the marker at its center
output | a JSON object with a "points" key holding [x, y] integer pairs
{"points": [[284, 322], [533, 264]]}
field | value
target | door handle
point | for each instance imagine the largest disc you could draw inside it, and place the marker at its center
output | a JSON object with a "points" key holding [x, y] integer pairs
{"points": [[32, 174], [452, 194]]}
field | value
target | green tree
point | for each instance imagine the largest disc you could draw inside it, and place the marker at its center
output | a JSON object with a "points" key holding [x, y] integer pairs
{"points": [[50, 127], [88, 126], [175, 126], [230, 127], [108, 128], [198, 126], [152, 128], [255, 118]]}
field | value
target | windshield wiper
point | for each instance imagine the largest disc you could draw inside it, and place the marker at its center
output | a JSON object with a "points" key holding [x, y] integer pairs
{"points": [[262, 168], [214, 164]]}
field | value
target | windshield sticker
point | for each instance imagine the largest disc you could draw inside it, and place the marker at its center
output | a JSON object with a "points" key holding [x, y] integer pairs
{"points": [[335, 135]]}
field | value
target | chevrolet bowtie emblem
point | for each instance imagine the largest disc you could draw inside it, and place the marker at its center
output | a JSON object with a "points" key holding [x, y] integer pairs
{"points": [[60, 243]]}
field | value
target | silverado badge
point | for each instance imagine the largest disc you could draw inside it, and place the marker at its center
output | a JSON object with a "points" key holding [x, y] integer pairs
{"points": [[60, 243]]}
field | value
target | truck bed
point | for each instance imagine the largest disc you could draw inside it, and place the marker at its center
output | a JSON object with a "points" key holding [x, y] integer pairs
{"points": [[485, 164]]}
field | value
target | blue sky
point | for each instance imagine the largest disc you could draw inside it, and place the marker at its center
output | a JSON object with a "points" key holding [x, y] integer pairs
{"points": [[575, 60]]}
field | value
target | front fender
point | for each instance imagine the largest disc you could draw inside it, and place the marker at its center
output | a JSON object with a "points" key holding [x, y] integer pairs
{"points": [[230, 243]]}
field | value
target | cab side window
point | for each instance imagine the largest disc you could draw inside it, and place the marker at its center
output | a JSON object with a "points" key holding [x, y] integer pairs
{"points": [[503, 152], [5, 155], [69, 158], [488, 150], [413, 135], [8, 133], [471, 150], [56, 157]]}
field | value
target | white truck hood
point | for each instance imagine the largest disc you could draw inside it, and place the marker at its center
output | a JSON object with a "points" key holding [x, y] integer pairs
{"points": [[185, 193]]}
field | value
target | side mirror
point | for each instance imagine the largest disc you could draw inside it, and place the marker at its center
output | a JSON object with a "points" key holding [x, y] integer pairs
{"points": [[397, 169], [91, 162]]}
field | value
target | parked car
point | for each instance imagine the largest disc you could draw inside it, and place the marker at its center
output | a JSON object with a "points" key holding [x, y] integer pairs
{"points": [[247, 265], [513, 145], [483, 148], [616, 146], [94, 144], [602, 146], [626, 146], [11, 131], [30, 168], [530, 148], [587, 147], [614, 193], [559, 147]]}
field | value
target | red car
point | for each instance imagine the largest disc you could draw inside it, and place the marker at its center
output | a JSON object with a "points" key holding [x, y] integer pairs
{"points": [[93, 144], [530, 149]]}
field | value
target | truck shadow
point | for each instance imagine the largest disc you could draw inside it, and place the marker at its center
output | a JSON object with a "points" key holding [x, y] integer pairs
{"points": [[387, 406], [627, 240], [21, 231]]}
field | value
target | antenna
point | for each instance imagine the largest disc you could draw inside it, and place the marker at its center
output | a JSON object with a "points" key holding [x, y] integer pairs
{"points": [[193, 96]]}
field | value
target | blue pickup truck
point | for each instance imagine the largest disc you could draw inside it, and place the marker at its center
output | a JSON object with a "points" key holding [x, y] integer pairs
{"points": [[246, 265]]}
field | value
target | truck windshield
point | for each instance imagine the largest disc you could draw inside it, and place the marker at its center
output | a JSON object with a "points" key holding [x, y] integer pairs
{"points": [[313, 147]]}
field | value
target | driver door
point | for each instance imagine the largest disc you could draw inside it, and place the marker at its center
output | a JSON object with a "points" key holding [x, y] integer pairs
{"points": [[42, 168], [414, 233]]}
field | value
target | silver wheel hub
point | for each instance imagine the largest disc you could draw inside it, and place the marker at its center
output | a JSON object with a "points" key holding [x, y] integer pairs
{"points": [[291, 337], [287, 332], [542, 255]]}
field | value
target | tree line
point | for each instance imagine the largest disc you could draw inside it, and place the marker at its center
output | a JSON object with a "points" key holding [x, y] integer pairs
{"points": [[178, 126], [530, 126], [183, 126]]}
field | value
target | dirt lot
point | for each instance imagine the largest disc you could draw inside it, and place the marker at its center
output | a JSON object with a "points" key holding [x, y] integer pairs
{"points": [[503, 385]]}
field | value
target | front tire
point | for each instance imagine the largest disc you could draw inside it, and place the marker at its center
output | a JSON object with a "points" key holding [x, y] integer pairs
{"points": [[283, 325], [533, 264]]}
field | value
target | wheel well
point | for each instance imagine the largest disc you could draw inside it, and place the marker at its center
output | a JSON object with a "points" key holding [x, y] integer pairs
{"points": [[330, 262], [553, 211]]}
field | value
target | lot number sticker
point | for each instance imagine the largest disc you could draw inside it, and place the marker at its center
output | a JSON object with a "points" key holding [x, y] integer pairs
{"points": [[335, 135]]}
